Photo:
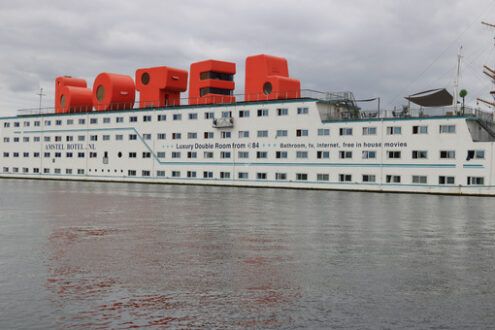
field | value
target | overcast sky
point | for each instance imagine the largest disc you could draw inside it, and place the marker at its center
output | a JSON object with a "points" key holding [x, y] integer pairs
{"points": [[388, 48]]}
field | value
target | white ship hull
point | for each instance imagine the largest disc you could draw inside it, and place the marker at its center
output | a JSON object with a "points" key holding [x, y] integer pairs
{"points": [[298, 147]]}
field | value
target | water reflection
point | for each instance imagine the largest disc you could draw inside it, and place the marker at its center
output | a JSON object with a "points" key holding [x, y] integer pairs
{"points": [[130, 255]]}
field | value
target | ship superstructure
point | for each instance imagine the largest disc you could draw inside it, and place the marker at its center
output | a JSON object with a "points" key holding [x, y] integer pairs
{"points": [[275, 135]]}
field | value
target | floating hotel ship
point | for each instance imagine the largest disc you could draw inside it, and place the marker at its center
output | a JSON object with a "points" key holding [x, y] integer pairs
{"points": [[274, 135]]}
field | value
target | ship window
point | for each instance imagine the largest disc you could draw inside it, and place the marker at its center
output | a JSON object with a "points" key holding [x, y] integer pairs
{"points": [[208, 154], [209, 115], [146, 154], [16, 139], [176, 136], [369, 130], [191, 174], [419, 179], [36, 154], [446, 179], [475, 180], [194, 154], [106, 120], [91, 138], [145, 173], [80, 171], [322, 154], [68, 154], [281, 154], [6, 125], [161, 154], [132, 137], [161, 136], [226, 114], [132, 154], [447, 154], [262, 112], [392, 178], [177, 116], [193, 116], [26, 123], [58, 154], [119, 137], [147, 136], [393, 154], [475, 154], [160, 173], [369, 154], [192, 135], [57, 171], [345, 131], [106, 137], [322, 177], [26, 154], [212, 90], [70, 121], [46, 155], [162, 117], [6, 154], [36, 170], [81, 121], [25, 139], [6, 139], [420, 130], [57, 122], [146, 118], [69, 138], [80, 154], [243, 154], [16, 124], [394, 130], [216, 76], [224, 175], [131, 172], [225, 154], [175, 154], [345, 177], [345, 154], [261, 176], [6, 170], [447, 129], [243, 113], [302, 111], [301, 154], [262, 133], [207, 175], [302, 132], [93, 121], [226, 135], [208, 135], [323, 132], [369, 178], [242, 175], [36, 139], [281, 133], [261, 154], [68, 171], [283, 111], [133, 119], [422, 154], [280, 176], [243, 134], [47, 123]]}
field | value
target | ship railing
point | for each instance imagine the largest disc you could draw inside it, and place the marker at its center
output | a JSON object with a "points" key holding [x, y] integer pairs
{"points": [[424, 113], [232, 99]]}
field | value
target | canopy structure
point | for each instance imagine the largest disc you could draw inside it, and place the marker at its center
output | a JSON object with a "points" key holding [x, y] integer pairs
{"points": [[439, 97]]}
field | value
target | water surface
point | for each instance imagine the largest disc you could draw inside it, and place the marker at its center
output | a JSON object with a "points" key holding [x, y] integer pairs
{"points": [[76, 254]]}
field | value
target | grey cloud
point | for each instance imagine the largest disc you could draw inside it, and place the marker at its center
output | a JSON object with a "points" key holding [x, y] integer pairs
{"points": [[371, 48]]}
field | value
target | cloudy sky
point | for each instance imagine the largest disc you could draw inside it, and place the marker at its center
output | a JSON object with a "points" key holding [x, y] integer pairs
{"points": [[387, 48]]}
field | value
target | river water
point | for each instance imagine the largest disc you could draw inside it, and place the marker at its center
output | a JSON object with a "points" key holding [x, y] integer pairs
{"points": [[91, 255]]}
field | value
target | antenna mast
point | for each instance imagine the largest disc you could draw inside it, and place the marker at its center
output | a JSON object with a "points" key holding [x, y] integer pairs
{"points": [[41, 96], [456, 84]]}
